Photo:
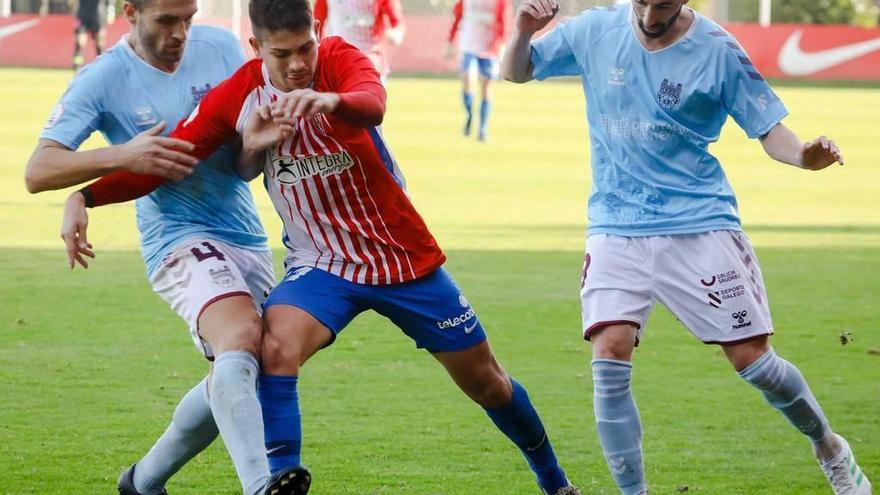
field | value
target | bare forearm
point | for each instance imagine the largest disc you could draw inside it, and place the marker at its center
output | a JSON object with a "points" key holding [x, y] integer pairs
{"points": [[517, 63], [250, 164], [54, 167], [783, 145]]}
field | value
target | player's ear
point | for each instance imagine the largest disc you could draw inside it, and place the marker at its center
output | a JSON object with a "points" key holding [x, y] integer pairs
{"points": [[130, 11], [317, 28], [255, 45]]}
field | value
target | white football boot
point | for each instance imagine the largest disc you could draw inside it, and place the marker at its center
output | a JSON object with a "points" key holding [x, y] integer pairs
{"points": [[844, 474]]}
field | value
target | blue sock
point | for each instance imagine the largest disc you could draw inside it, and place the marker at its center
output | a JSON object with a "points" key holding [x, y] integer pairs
{"points": [[468, 99], [785, 389], [281, 421], [618, 424], [521, 423], [485, 110]]}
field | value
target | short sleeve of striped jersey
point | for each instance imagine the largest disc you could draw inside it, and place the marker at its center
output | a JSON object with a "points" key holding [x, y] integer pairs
{"points": [[212, 123], [746, 95]]}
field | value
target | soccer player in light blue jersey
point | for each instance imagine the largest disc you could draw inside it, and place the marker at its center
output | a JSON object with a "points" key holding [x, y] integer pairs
{"points": [[203, 244], [660, 81]]}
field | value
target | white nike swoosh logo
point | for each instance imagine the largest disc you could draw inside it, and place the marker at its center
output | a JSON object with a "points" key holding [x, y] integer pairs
{"points": [[17, 28], [275, 449], [470, 328], [795, 62]]}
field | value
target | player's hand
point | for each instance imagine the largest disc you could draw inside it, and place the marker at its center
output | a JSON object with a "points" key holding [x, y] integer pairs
{"points": [[305, 103], [261, 131], [534, 15], [151, 153], [819, 154], [74, 224]]}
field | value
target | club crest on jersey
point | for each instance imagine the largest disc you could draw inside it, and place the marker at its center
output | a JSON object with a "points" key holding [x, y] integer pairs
{"points": [[669, 95], [291, 169], [199, 93]]}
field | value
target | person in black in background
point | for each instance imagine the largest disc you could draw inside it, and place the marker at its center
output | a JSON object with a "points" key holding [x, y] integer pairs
{"points": [[91, 16]]}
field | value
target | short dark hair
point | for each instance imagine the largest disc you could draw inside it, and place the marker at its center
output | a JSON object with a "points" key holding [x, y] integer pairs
{"points": [[139, 4], [280, 15]]}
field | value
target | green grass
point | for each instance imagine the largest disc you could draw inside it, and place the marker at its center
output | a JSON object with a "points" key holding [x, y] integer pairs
{"points": [[92, 363]]}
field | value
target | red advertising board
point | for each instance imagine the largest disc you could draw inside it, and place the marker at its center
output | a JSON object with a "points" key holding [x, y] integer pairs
{"points": [[816, 52], [812, 51]]}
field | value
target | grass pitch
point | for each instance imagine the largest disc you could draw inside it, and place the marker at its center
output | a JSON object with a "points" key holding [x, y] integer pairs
{"points": [[92, 363]]}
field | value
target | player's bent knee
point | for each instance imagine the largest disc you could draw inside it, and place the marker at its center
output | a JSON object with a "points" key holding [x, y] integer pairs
{"points": [[489, 385], [741, 355], [292, 336], [497, 391], [231, 324], [614, 342], [243, 334], [280, 356]]}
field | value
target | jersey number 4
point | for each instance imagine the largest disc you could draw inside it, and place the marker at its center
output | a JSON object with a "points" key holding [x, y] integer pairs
{"points": [[211, 252]]}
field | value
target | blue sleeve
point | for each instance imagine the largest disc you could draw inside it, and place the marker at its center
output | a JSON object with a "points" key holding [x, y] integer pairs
{"points": [[552, 55], [234, 54], [224, 42], [746, 95], [78, 114]]}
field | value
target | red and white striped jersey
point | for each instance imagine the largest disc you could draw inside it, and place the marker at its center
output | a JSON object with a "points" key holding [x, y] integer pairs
{"points": [[481, 26], [363, 23], [336, 186]]}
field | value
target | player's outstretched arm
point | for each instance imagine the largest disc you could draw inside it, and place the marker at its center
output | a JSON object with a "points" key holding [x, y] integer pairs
{"points": [[208, 127], [783, 145], [54, 166], [531, 17], [74, 224]]}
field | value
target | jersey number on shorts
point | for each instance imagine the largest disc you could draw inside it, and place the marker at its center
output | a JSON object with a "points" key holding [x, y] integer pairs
{"points": [[210, 253]]}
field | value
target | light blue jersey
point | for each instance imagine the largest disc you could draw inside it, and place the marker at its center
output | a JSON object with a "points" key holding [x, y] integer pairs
{"points": [[121, 95], [652, 116]]}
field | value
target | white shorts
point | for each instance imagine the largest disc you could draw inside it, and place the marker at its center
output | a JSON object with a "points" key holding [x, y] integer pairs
{"points": [[200, 272], [711, 282]]}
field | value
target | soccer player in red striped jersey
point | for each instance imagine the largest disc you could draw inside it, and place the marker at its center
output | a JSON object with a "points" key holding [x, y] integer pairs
{"points": [[308, 112], [481, 27], [367, 24]]}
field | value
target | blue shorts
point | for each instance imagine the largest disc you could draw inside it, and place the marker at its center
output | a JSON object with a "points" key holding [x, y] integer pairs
{"points": [[487, 67], [431, 310]]}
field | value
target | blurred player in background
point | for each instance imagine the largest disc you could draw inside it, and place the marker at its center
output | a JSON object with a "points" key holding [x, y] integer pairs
{"points": [[369, 25], [91, 18], [481, 27], [660, 81], [203, 245], [309, 114]]}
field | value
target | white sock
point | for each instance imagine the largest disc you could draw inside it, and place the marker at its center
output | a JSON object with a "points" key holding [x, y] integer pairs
{"points": [[191, 430], [239, 418]]}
